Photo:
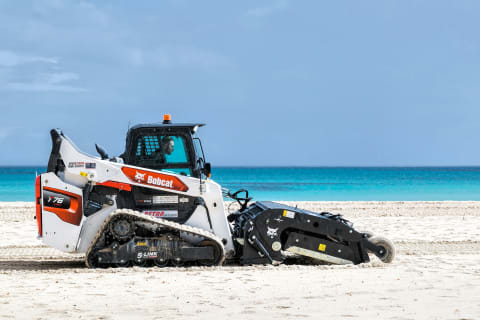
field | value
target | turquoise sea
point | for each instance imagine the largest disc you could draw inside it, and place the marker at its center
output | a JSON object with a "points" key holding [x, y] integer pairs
{"points": [[301, 183]]}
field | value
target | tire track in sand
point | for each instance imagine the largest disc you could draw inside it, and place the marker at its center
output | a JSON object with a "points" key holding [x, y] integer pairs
{"points": [[402, 247]]}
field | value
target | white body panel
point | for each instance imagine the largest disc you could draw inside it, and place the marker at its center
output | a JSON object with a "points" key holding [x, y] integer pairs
{"points": [[57, 233], [91, 226], [77, 174]]}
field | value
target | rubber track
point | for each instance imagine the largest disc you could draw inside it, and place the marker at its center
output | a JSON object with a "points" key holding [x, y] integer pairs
{"points": [[139, 216]]}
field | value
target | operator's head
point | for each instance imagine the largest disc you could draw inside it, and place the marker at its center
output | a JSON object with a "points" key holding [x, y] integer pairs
{"points": [[167, 145]]}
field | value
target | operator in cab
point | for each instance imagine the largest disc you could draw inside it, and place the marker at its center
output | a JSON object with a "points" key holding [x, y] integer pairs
{"points": [[166, 147]]}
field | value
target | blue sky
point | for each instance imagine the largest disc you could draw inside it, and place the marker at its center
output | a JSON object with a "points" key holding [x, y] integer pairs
{"points": [[334, 83]]}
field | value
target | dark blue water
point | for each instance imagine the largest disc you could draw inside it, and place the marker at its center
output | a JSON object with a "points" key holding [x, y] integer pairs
{"points": [[451, 183]]}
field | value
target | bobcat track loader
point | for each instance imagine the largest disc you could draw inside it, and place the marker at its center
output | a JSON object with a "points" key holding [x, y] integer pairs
{"points": [[156, 204]]}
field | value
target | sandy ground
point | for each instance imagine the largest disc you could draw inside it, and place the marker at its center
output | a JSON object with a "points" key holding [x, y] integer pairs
{"points": [[436, 275]]}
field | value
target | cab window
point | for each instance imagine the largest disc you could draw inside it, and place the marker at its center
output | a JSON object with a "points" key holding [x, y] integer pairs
{"points": [[162, 152]]}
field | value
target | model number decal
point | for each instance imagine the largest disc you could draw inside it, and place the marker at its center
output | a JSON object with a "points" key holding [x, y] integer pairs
{"points": [[57, 200]]}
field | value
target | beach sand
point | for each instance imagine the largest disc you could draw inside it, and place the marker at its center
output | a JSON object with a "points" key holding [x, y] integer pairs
{"points": [[436, 275]]}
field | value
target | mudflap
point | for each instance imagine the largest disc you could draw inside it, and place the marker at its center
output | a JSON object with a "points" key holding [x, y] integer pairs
{"points": [[268, 229]]}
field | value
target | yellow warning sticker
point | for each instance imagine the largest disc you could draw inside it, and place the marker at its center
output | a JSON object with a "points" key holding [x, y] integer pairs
{"points": [[289, 214], [322, 247], [141, 244], [83, 174]]}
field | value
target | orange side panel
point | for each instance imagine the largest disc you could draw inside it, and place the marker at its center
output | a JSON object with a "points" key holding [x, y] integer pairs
{"points": [[154, 179], [71, 215], [116, 185], [38, 204]]}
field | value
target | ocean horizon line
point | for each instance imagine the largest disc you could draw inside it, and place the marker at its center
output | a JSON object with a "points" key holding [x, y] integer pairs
{"points": [[301, 167]]}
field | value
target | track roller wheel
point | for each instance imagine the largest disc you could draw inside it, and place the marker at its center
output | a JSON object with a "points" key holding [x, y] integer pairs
{"points": [[177, 262], [125, 264], [161, 263], [140, 263], [387, 247]]}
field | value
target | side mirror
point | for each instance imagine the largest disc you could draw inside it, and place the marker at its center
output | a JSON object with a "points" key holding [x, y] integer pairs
{"points": [[207, 169], [101, 152]]}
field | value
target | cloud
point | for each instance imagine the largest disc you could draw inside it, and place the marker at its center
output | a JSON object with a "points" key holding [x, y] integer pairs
{"points": [[268, 10], [11, 59], [6, 132], [57, 78], [17, 74], [169, 57], [85, 10], [48, 82]]}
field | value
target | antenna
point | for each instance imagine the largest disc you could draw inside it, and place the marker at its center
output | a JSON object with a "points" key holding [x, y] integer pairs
{"points": [[128, 125]]}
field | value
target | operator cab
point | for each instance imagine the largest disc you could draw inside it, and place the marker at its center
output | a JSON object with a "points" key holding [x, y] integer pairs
{"points": [[166, 146]]}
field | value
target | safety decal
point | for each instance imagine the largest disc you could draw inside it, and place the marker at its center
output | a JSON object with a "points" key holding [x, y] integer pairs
{"points": [[90, 165], [165, 199], [322, 247], [289, 214], [76, 164]]}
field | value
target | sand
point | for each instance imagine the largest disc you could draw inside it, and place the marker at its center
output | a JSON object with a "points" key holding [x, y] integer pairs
{"points": [[436, 275]]}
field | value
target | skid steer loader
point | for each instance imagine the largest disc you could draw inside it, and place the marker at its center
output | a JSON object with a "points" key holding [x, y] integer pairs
{"points": [[156, 204]]}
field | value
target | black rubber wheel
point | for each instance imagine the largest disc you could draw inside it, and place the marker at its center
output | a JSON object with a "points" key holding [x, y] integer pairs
{"points": [[387, 246]]}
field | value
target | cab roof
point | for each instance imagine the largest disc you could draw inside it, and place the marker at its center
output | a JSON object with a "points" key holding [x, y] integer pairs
{"points": [[166, 125]]}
